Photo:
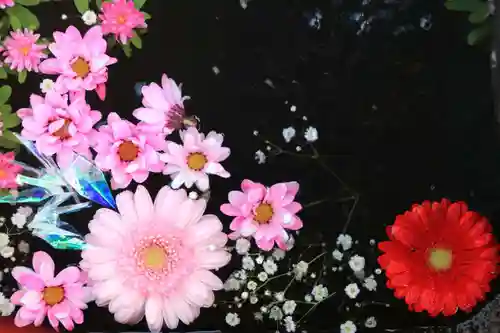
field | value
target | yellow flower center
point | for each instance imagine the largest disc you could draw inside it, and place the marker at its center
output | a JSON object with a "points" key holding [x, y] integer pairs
{"points": [[154, 257], [80, 67], [128, 151], [25, 50], [263, 213], [122, 19], [63, 132], [53, 295], [3, 174], [196, 161], [440, 259]]}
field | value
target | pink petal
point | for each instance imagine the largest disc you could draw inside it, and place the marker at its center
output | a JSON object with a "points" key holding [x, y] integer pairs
{"points": [[50, 66], [229, 210], [32, 300], [67, 276], [150, 116], [27, 278], [24, 317], [43, 265], [16, 297], [61, 310], [101, 91], [143, 204], [121, 129], [154, 315]]}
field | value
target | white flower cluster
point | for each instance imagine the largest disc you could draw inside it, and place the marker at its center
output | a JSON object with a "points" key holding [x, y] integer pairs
{"points": [[309, 135], [253, 284], [9, 243]]}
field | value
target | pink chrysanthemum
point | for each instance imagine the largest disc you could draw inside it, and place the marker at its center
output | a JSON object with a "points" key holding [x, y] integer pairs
{"points": [[8, 171], [59, 127], [163, 106], [6, 3], [80, 62], [21, 51], [198, 157], [120, 18], [264, 213], [127, 151], [61, 298], [154, 259]]}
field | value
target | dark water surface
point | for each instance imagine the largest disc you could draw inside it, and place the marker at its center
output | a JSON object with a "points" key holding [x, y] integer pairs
{"points": [[403, 107]]}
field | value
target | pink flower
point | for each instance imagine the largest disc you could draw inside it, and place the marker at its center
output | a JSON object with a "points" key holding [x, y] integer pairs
{"points": [[127, 151], [58, 127], [163, 106], [81, 63], [6, 3], [120, 17], [61, 298], [22, 52], [198, 157], [154, 259], [8, 171], [264, 213]]}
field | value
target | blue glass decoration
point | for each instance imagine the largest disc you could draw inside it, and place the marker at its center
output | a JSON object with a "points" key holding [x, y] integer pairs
{"points": [[82, 177]]}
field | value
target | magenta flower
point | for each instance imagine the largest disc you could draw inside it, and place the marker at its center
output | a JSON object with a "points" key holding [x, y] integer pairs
{"points": [[59, 127], [120, 18], [163, 106], [6, 3], [8, 171], [154, 259], [264, 213], [61, 298], [21, 51], [80, 62], [127, 151], [198, 157]]}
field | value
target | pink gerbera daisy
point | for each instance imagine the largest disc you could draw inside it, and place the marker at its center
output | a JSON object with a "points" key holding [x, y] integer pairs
{"points": [[6, 3], [59, 127], [198, 157], [21, 51], [127, 151], [8, 171], [120, 18], [163, 106], [264, 213], [61, 298], [154, 259], [80, 62]]}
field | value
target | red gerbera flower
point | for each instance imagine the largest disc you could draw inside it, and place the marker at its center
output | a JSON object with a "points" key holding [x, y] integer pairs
{"points": [[440, 257]]}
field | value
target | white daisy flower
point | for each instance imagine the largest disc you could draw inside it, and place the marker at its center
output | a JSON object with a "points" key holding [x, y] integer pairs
{"points": [[289, 307], [352, 290], [269, 266], [357, 263], [288, 134], [348, 327], [248, 263], [232, 319], [319, 292], [260, 157], [89, 17], [242, 246], [345, 241], [337, 255], [311, 134]]}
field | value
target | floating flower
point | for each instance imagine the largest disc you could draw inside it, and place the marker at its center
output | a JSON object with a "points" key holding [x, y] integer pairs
{"points": [[198, 157], [441, 257], [21, 51], [59, 125], [163, 106], [6, 3], [127, 151], [8, 171], [264, 213], [80, 62], [154, 259], [61, 298], [120, 18]]}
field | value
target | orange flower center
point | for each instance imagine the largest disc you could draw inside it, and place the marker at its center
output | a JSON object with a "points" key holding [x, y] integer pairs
{"points": [[263, 213], [196, 161], [440, 259], [154, 257], [25, 50], [122, 19], [53, 295], [128, 151], [3, 174], [80, 67], [63, 132]]}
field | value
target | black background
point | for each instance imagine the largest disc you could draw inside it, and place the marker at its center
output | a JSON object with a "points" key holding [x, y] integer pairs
{"points": [[406, 117]]}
